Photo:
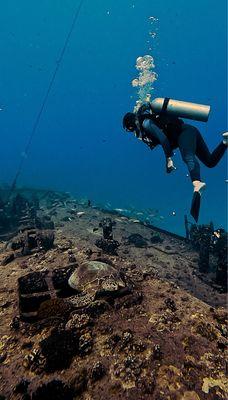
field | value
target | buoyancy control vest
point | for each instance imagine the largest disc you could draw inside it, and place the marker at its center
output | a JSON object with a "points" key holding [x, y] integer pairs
{"points": [[170, 125]]}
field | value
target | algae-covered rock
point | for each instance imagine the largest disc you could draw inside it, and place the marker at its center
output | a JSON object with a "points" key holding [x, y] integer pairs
{"points": [[209, 383], [190, 396]]}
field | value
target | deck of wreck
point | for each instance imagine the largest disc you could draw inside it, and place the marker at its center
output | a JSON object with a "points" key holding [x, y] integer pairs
{"points": [[163, 339]]}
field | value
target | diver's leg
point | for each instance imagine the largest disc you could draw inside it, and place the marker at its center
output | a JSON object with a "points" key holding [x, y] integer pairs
{"points": [[204, 155], [187, 146]]}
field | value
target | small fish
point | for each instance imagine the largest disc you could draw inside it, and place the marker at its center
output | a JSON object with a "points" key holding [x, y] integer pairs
{"points": [[80, 213]]}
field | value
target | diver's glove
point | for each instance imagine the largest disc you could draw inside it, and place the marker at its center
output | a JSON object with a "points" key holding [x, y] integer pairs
{"points": [[148, 142], [170, 165]]}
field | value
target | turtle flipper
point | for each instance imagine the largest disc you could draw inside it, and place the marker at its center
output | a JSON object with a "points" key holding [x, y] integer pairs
{"points": [[82, 300]]}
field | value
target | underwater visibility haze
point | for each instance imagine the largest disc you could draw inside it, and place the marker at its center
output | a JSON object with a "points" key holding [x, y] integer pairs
{"points": [[80, 145]]}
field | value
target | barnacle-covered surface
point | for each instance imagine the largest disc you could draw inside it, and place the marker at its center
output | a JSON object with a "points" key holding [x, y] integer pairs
{"points": [[163, 339]]}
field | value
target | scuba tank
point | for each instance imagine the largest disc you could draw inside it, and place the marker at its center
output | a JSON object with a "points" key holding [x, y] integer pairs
{"points": [[182, 109]]}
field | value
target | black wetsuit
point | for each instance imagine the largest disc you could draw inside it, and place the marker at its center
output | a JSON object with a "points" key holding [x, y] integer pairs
{"points": [[172, 133]]}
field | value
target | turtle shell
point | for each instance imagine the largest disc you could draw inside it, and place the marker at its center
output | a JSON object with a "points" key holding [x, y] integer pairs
{"points": [[95, 276]]}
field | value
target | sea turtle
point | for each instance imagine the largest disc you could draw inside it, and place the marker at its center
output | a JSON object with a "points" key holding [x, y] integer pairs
{"points": [[95, 279]]}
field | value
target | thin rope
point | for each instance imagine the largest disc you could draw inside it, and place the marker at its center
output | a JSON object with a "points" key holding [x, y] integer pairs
{"points": [[45, 99]]}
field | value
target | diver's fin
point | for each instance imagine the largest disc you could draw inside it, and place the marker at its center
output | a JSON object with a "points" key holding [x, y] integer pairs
{"points": [[225, 138], [195, 207]]}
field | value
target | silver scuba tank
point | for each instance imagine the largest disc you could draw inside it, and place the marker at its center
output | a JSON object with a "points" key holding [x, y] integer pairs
{"points": [[182, 109]]}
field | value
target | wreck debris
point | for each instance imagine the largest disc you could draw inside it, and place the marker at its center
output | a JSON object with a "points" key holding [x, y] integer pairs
{"points": [[107, 243], [108, 246], [15, 324], [97, 308], [204, 248], [85, 344], [3, 357], [34, 361], [58, 349], [130, 369], [107, 225], [32, 240], [157, 353], [21, 386], [54, 307], [18, 213], [211, 242], [54, 389], [156, 238], [221, 252], [38, 287], [186, 224], [170, 304], [98, 371], [137, 240], [44, 222], [8, 259], [45, 240], [71, 257], [22, 211]]}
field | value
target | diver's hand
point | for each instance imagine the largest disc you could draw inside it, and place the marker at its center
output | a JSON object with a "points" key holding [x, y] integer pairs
{"points": [[170, 167]]}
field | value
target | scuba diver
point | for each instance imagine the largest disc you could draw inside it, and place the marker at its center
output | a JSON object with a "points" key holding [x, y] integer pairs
{"points": [[171, 132]]}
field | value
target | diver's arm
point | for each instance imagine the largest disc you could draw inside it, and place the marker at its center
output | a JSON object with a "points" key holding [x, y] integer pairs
{"points": [[148, 142], [157, 133]]}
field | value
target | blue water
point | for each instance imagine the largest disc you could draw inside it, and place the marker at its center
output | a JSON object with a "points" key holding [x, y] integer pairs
{"points": [[80, 146]]}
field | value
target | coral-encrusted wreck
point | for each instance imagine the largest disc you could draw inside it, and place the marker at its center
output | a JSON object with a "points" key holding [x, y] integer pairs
{"points": [[80, 322]]}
